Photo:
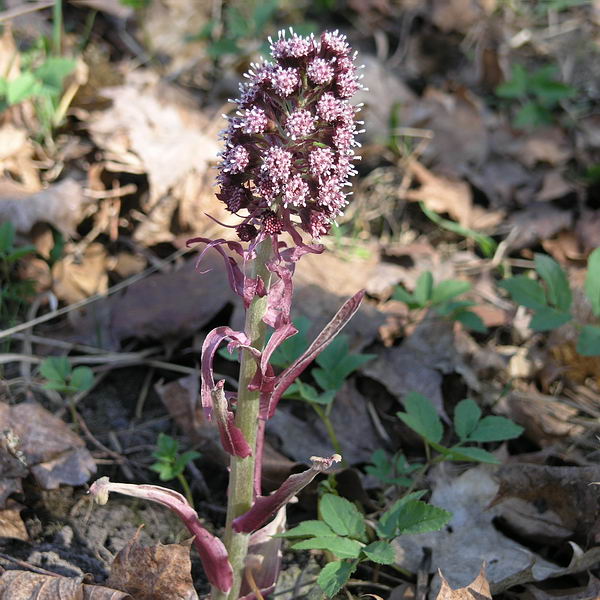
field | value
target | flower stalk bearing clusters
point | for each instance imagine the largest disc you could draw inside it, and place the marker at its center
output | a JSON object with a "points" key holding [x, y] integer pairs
{"points": [[288, 156], [290, 145]]}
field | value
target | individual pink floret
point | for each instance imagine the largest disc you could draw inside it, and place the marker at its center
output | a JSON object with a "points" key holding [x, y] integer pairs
{"points": [[285, 81], [320, 71], [277, 163], [321, 161], [255, 120], [236, 160], [328, 107], [300, 123]]}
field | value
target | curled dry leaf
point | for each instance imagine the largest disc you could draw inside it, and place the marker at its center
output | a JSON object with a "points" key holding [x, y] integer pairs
{"points": [[61, 204], [11, 523], [76, 279], [154, 572], [442, 194], [478, 589], [550, 502], [24, 585], [53, 454], [154, 128]]}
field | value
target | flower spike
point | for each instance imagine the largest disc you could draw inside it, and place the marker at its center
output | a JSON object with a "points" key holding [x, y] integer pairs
{"points": [[289, 147]]}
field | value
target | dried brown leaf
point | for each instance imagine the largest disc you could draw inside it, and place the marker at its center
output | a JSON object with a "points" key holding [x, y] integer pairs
{"points": [[61, 205], [460, 135], [11, 523], [76, 278], [53, 453], [460, 15], [171, 305], [478, 589], [550, 502], [25, 585], [539, 221], [546, 420], [419, 363], [154, 572], [442, 194], [301, 438], [590, 592], [459, 550], [154, 128]]}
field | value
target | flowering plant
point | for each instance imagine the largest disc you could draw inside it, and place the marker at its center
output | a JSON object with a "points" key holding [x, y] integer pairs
{"points": [[289, 151]]}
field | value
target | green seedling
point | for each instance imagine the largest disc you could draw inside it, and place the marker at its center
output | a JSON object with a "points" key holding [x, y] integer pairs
{"points": [[442, 298], [470, 428], [538, 93], [551, 299], [170, 464], [63, 378], [342, 530], [394, 470]]}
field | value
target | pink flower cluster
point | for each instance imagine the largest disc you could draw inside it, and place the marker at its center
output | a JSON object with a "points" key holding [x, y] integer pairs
{"points": [[289, 148]]}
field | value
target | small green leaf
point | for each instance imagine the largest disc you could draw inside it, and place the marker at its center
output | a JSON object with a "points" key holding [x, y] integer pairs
{"points": [[387, 524], [342, 547], [471, 320], [164, 470], [7, 237], [19, 253], [402, 295], [82, 378], [334, 576], [21, 88], [516, 86], [56, 368], [531, 115], [559, 292], [185, 458], [419, 517], [53, 72], [592, 281], [472, 454], [495, 429], [166, 447], [309, 529], [421, 416], [342, 516], [446, 290], [466, 415], [380, 552], [588, 343], [423, 288], [223, 47], [390, 471], [525, 291], [546, 319]]}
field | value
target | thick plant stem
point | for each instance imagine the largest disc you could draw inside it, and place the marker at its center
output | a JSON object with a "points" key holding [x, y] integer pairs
{"points": [[241, 477]]}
